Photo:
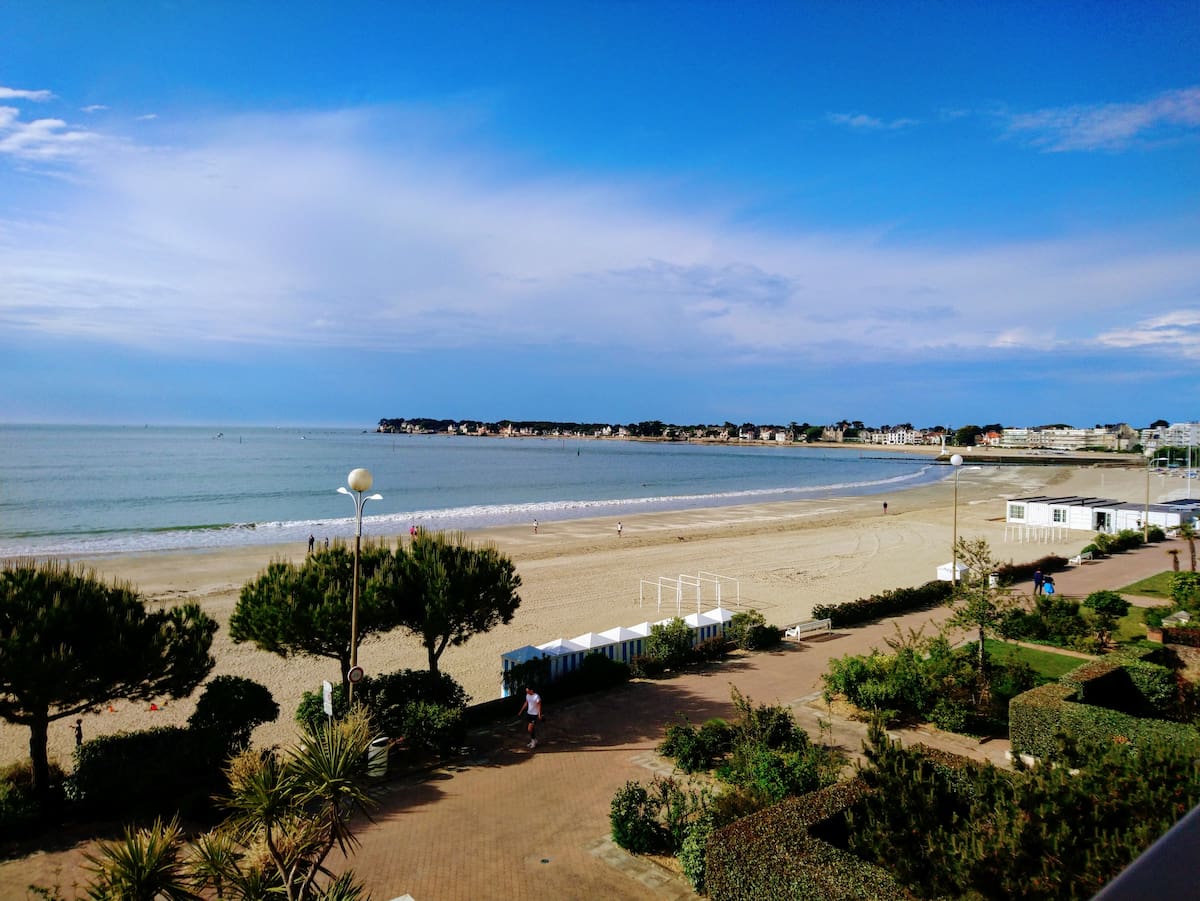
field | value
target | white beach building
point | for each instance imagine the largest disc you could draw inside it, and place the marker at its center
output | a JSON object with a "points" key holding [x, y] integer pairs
{"points": [[1097, 514]]}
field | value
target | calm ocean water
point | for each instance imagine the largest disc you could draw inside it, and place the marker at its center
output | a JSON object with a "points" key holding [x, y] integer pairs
{"points": [[97, 490]]}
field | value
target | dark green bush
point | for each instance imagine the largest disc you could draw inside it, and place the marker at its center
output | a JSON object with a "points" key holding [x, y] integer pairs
{"points": [[712, 649], [751, 632], [683, 745], [670, 643], [1109, 602], [431, 727], [596, 672], [1156, 534], [19, 811], [155, 772], [386, 697], [531, 672], [229, 709], [691, 852], [888, 603], [634, 820], [1153, 616], [1185, 590], [774, 854], [644, 667], [1013, 573]]}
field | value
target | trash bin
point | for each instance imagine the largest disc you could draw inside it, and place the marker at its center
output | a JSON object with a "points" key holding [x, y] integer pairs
{"points": [[994, 580], [377, 757]]}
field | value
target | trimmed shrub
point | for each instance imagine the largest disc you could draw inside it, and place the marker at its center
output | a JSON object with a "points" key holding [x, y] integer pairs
{"points": [[431, 727], [1155, 534], [695, 749], [1185, 589], [229, 709], [774, 854], [1011, 573], [155, 772], [888, 603]]}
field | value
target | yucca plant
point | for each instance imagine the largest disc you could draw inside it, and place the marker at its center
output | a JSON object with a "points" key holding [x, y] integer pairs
{"points": [[145, 865]]}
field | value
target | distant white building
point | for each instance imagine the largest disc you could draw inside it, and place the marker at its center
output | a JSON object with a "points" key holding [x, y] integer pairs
{"points": [[1110, 437], [1097, 514], [1178, 434]]}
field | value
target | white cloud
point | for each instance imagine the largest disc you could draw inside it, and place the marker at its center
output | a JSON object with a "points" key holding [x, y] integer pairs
{"points": [[17, 94], [1110, 126], [95, 108], [148, 117], [343, 229], [863, 122], [1178, 332]]}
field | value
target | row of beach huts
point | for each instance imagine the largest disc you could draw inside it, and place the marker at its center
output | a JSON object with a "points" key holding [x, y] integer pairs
{"points": [[620, 643]]}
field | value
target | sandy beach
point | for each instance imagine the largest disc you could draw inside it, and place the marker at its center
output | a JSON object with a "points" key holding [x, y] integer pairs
{"points": [[580, 576]]}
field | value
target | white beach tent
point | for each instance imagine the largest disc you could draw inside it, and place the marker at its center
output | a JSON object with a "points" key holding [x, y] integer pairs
{"points": [[590, 641], [715, 622], [564, 656], [945, 571], [625, 643], [696, 622], [513, 658]]}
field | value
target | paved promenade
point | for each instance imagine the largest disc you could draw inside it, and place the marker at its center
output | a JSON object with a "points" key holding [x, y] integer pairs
{"points": [[511, 824]]}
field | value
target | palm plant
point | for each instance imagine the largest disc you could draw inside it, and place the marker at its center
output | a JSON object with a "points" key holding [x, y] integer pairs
{"points": [[1187, 531], [143, 866], [289, 811]]}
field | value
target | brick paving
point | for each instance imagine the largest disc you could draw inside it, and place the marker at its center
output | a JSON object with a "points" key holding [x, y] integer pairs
{"points": [[510, 823]]}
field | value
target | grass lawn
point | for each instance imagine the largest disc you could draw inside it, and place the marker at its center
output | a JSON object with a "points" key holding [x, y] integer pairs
{"points": [[1044, 663], [1158, 586], [1130, 627]]}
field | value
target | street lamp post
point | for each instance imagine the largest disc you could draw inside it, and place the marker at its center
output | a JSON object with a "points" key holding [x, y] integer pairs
{"points": [[956, 461], [1150, 461], [360, 481]]}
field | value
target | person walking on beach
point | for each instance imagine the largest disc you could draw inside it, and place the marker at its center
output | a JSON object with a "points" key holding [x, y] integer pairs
{"points": [[619, 527], [1038, 581], [532, 708], [885, 508], [535, 527], [312, 543]]}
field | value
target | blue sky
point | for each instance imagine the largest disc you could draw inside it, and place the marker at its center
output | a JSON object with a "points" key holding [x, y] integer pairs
{"points": [[316, 213]]}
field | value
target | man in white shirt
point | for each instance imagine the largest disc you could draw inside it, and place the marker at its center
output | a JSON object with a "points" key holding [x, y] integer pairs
{"points": [[532, 708]]}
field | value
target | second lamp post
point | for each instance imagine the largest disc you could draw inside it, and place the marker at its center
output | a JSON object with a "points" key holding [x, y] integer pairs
{"points": [[360, 481]]}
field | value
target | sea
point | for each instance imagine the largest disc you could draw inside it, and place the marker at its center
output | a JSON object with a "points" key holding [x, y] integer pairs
{"points": [[98, 490]]}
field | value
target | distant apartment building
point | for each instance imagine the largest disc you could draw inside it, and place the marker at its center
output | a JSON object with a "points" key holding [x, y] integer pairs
{"points": [[1178, 434], [1118, 437]]}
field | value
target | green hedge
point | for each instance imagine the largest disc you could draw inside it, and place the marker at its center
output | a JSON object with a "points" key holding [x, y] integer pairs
{"points": [[1011, 573], [774, 854], [154, 772], [1037, 719], [888, 603]]}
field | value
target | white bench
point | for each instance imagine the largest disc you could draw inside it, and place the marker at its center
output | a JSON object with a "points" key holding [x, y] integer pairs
{"points": [[799, 630], [1078, 559]]}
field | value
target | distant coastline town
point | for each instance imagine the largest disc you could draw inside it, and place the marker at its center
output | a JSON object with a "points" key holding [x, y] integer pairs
{"points": [[1120, 437]]}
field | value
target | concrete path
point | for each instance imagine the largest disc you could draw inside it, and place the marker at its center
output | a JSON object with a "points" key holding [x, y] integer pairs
{"points": [[510, 823]]}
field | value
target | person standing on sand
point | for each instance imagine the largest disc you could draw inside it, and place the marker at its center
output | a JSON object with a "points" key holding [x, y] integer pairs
{"points": [[535, 527], [532, 708], [619, 527], [312, 542], [78, 733], [885, 508]]}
